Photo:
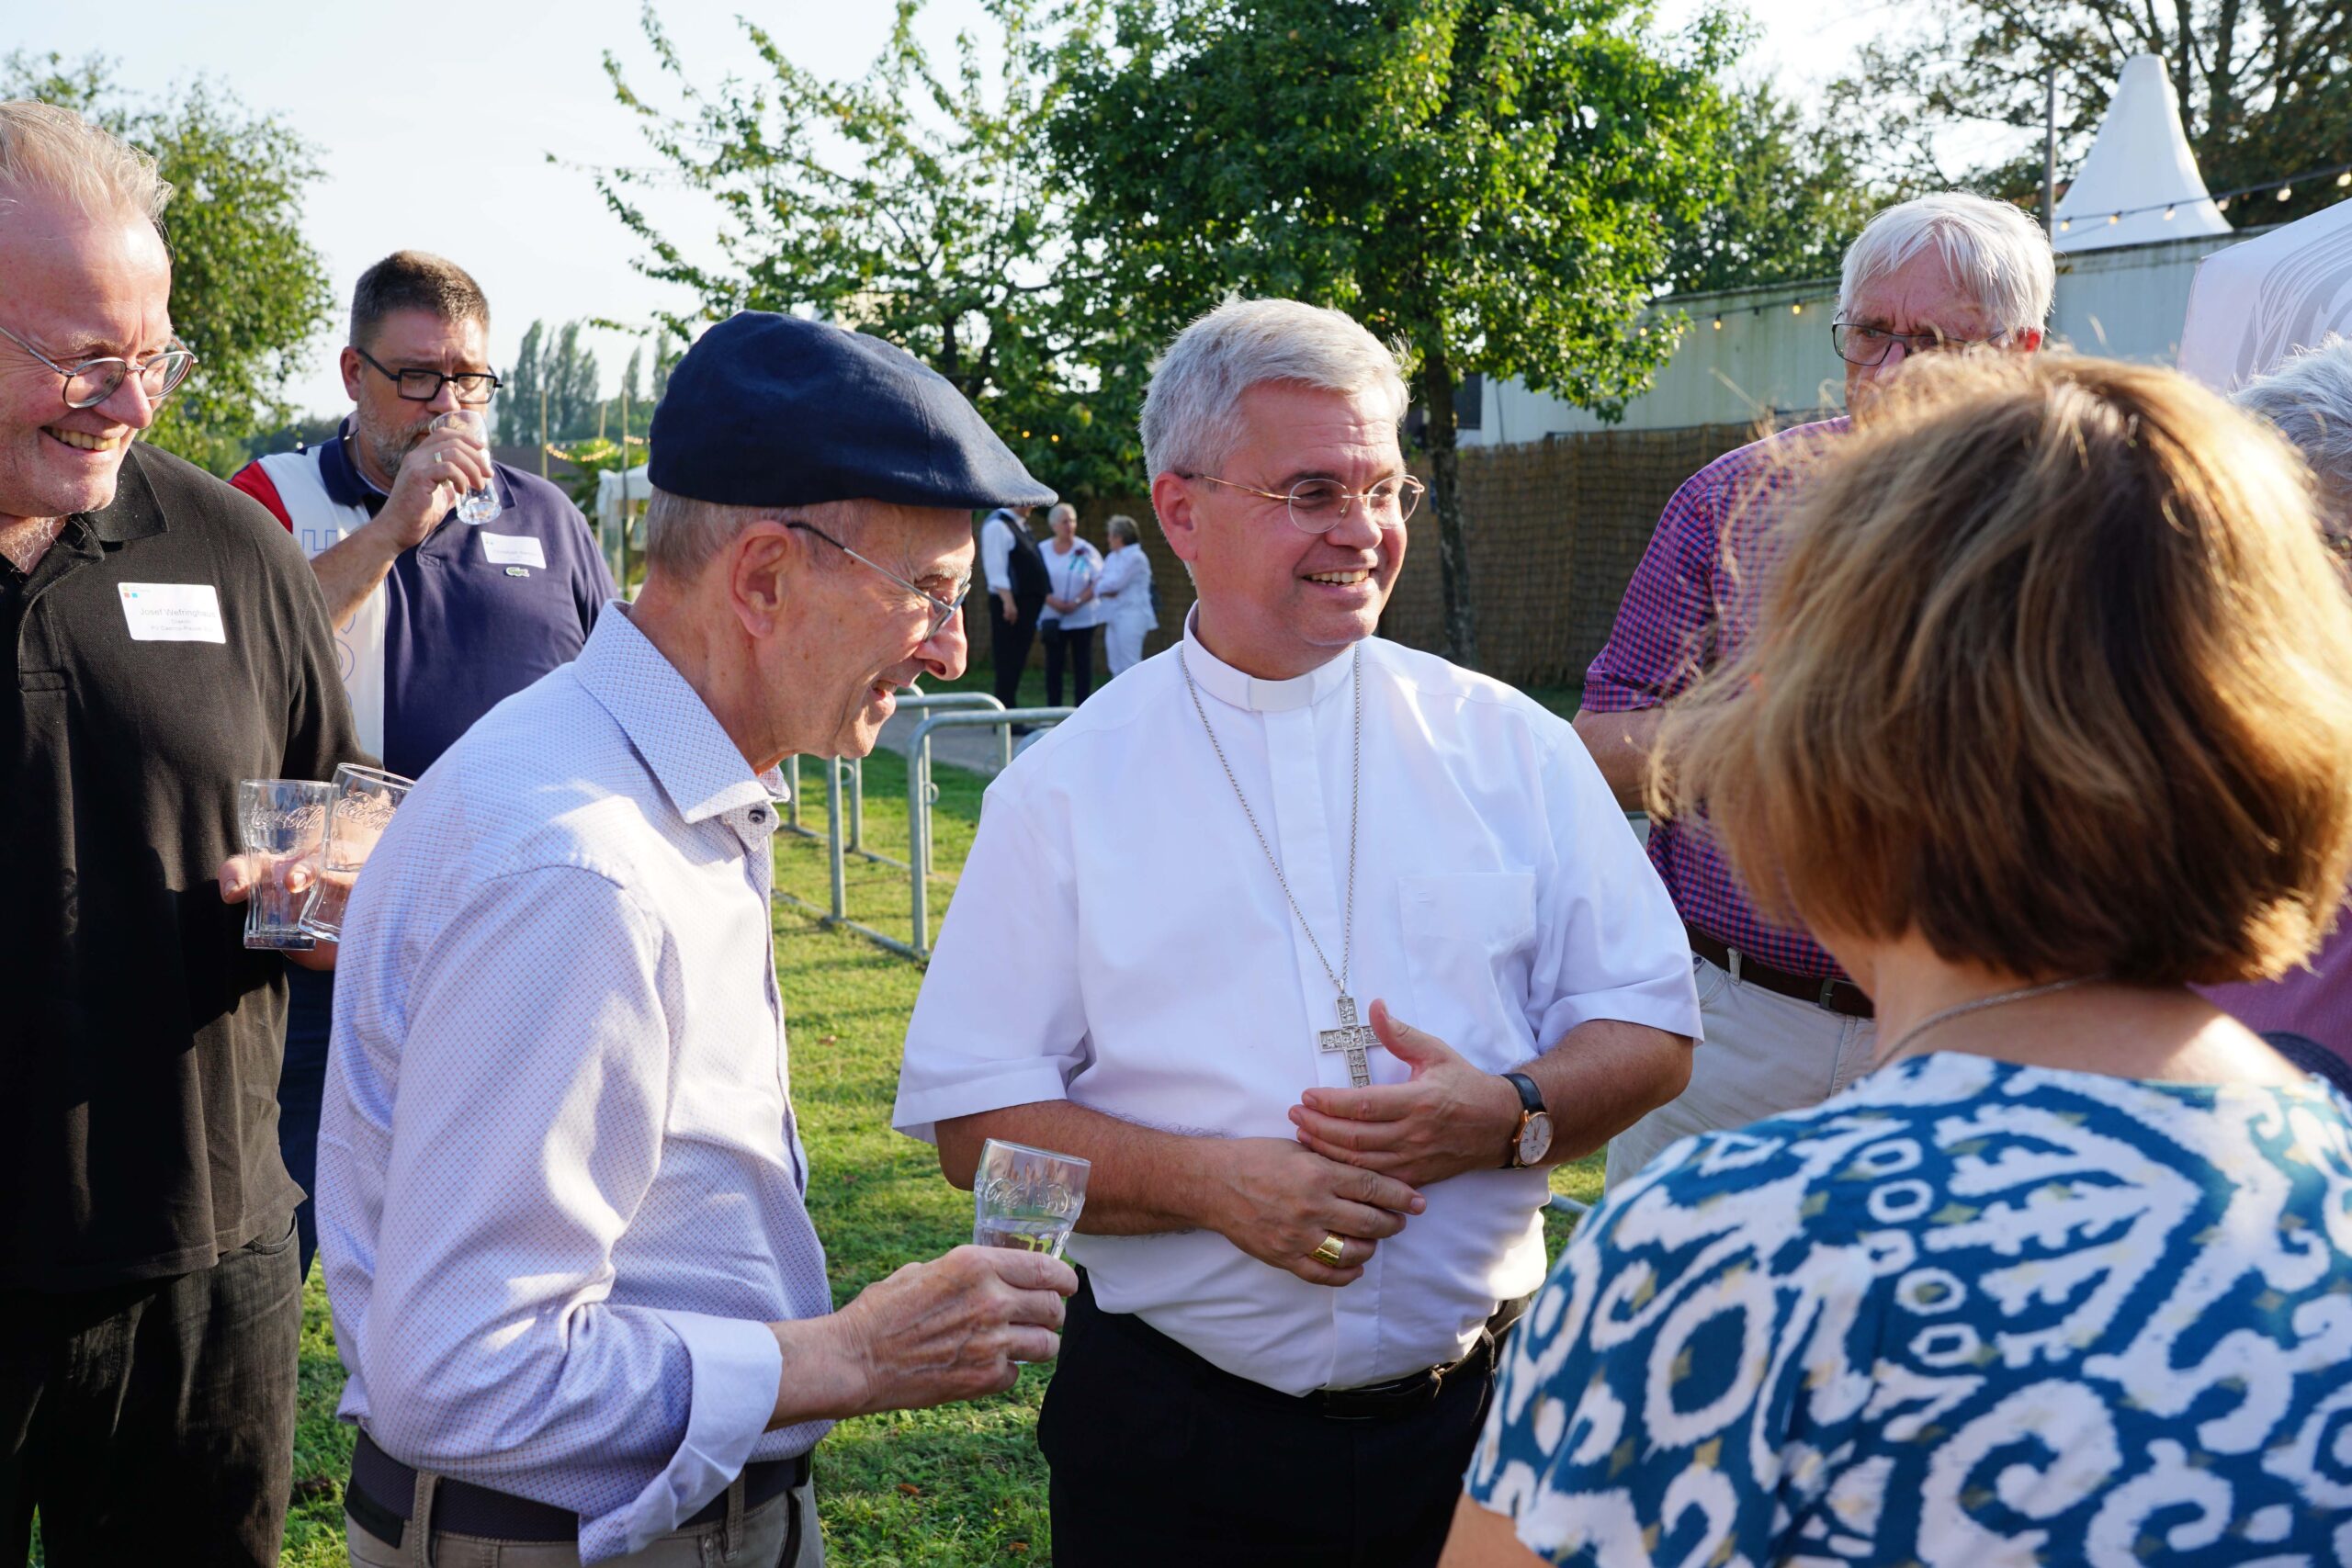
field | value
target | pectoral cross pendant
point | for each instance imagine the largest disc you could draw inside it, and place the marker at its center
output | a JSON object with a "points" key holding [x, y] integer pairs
{"points": [[1352, 1037]]}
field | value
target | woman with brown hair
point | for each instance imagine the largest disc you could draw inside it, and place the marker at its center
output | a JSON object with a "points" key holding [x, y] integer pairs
{"points": [[2049, 714]]}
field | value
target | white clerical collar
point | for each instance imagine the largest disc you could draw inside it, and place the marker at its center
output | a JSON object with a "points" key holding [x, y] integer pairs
{"points": [[1229, 686]]}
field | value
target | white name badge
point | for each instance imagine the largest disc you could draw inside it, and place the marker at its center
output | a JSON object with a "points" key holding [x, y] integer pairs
{"points": [[512, 550], [172, 612]]}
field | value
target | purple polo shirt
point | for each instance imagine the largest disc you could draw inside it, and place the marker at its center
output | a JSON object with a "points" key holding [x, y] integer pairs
{"points": [[467, 624], [1679, 619]]}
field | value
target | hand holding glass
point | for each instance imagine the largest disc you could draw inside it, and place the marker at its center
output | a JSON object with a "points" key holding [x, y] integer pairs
{"points": [[475, 506], [1026, 1199], [362, 806], [280, 820]]}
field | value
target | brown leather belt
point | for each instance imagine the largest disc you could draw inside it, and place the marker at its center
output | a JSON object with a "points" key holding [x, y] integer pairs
{"points": [[382, 1489], [1828, 993]]}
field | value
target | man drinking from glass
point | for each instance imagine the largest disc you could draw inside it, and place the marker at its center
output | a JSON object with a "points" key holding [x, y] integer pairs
{"points": [[437, 621]]}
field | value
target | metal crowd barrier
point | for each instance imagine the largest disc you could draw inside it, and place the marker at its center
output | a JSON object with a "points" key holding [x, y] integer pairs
{"points": [[985, 712]]}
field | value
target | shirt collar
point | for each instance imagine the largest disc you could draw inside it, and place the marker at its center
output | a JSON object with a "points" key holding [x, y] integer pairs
{"points": [[673, 730], [133, 513], [1229, 686]]}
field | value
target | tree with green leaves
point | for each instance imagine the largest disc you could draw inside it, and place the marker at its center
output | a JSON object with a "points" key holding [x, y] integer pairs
{"points": [[1497, 183], [1796, 195], [917, 205], [248, 291], [2265, 86]]}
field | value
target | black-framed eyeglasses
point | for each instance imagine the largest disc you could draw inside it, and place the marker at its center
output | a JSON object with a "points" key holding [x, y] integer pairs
{"points": [[92, 381], [941, 610], [422, 386], [1317, 507], [1869, 345]]}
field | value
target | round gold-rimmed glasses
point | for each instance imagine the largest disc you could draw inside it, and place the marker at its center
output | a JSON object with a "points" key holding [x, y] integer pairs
{"points": [[1317, 507]]}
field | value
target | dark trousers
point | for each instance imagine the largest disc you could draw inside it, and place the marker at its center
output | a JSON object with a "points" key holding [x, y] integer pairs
{"points": [[1076, 648], [152, 1422], [1161, 1459], [301, 1085], [1009, 646]]}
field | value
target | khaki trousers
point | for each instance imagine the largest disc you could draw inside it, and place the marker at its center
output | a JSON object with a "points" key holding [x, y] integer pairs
{"points": [[1763, 1054], [779, 1533]]}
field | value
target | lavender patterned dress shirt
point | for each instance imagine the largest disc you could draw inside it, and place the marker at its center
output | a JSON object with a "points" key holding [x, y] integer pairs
{"points": [[560, 1194]]}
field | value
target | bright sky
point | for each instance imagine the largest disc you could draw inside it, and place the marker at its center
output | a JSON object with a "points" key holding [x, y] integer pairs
{"points": [[435, 126]]}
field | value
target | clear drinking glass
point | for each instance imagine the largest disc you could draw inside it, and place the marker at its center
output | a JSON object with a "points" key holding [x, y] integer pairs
{"points": [[282, 819], [475, 506], [1026, 1199], [362, 801]]}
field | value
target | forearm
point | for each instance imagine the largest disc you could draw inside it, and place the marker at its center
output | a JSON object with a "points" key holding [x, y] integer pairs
{"points": [[1144, 1181], [349, 569], [1602, 1076], [1620, 744]]}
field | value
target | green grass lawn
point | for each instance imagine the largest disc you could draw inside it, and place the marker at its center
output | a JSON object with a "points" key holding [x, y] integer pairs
{"points": [[957, 1485]]}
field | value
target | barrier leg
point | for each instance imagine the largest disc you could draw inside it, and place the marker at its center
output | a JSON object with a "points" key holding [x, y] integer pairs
{"points": [[834, 838]]}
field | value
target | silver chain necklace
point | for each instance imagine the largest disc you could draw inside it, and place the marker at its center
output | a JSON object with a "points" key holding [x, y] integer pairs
{"points": [[1352, 1037], [1962, 1010]]}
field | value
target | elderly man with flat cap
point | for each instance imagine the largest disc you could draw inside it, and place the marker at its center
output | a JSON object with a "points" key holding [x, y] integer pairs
{"points": [[560, 1189]]}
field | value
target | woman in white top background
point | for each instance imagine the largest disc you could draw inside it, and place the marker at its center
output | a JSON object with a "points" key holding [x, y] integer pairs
{"points": [[1067, 627], [1122, 595]]}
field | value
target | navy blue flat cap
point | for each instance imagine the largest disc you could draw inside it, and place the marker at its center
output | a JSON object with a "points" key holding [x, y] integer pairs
{"points": [[772, 410]]}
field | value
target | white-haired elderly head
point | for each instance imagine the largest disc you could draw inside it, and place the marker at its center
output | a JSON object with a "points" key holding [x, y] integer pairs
{"points": [[2309, 397], [86, 288], [1270, 432], [1941, 271]]}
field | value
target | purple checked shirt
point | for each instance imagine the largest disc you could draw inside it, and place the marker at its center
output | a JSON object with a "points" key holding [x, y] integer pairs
{"points": [[1679, 618]]}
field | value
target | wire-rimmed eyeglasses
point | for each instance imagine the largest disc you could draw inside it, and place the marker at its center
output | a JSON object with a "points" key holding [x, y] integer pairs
{"points": [[419, 384], [1317, 507], [92, 381], [1857, 344], [941, 610]]}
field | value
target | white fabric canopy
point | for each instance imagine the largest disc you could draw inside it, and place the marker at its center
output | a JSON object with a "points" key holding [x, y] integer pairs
{"points": [[608, 496], [2139, 182], [2254, 304]]}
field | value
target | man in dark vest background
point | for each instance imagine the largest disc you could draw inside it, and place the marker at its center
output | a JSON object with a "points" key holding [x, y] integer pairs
{"points": [[1017, 588]]}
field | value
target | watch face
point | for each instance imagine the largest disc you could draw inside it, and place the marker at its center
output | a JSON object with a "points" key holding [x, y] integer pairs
{"points": [[1535, 1138]]}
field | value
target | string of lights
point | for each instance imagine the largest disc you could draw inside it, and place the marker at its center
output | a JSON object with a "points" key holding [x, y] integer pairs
{"points": [[2282, 189]]}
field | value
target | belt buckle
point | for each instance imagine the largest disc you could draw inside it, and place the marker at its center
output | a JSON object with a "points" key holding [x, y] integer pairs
{"points": [[1828, 991]]}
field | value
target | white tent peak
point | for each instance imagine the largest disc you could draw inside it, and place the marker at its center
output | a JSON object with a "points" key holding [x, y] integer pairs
{"points": [[2138, 166]]}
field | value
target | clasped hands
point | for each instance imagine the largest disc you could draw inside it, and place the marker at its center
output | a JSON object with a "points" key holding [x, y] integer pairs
{"points": [[1362, 1155]]}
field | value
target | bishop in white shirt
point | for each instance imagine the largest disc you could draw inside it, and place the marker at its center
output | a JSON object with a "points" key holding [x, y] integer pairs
{"points": [[1382, 953]]}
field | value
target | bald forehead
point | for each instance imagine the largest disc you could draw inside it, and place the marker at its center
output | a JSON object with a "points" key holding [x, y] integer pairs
{"points": [[86, 284]]}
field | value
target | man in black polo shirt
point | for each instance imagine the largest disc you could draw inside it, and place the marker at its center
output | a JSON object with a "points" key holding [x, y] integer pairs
{"points": [[164, 640], [437, 621]]}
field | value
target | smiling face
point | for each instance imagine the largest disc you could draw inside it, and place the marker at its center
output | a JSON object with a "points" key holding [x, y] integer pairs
{"points": [[1275, 601], [76, 288], [1920, 296], [856, 638], [389, 424]]}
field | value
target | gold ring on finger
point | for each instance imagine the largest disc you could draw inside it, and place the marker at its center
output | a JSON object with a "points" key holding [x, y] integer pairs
{"points": [[1330, 1250]]}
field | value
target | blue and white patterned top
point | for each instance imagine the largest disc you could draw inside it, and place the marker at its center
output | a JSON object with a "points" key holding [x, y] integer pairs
{"points": [[1966, 1312]]}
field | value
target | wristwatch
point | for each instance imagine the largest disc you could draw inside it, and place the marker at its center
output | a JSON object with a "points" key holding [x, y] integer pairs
{"points": [[1533, 1138]]}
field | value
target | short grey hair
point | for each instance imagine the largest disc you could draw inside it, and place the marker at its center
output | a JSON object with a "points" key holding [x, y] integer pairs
{"points": [[1060, 510], [1190, 411], [2309, 397], [55, 152], [1991, 248], [681, 533], [1122, 527]]}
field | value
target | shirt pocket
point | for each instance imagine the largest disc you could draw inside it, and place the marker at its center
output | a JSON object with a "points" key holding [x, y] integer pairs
{"points": [[1470, 951]]}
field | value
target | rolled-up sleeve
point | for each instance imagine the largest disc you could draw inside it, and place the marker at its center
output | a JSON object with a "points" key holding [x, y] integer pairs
{"points": [[993, 1027], [1665, 628], [996, 555], [1610, 944], [534, 1086]]}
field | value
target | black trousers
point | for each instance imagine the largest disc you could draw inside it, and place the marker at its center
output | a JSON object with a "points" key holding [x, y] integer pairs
{"points": [[1009, 646], [301, 1090], [1158, 1458], [1075, 647], [152, 1422]]}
